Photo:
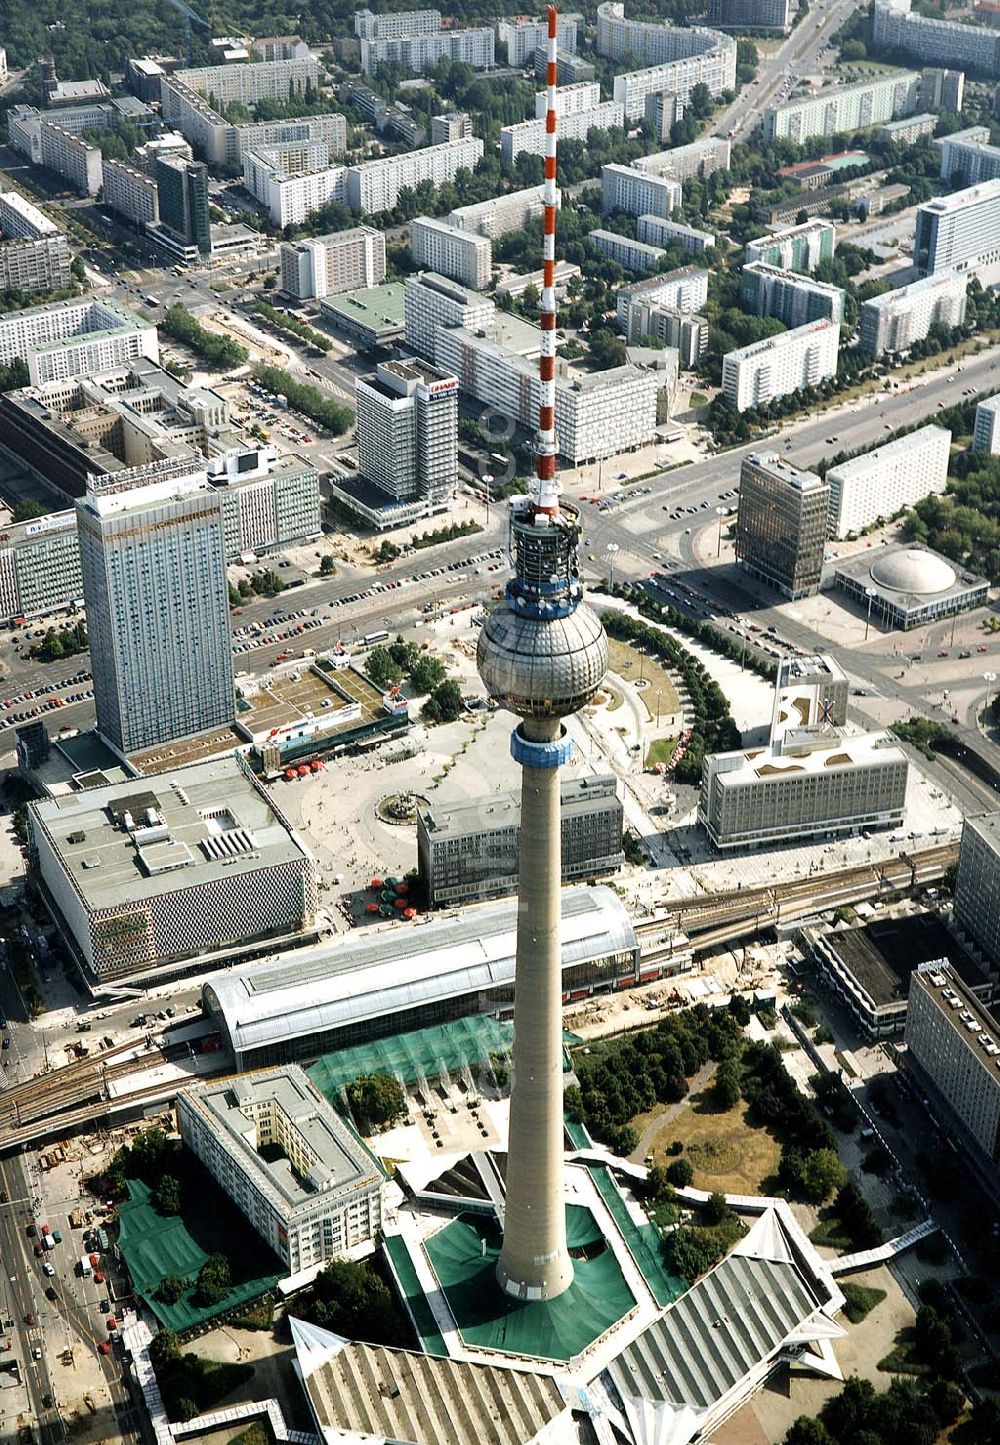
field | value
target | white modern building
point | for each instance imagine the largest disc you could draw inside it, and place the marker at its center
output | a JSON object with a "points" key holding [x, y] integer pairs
{"points": [[630, 255], [419, 53], [37, 266], [522, 35], [291, 196], [967, 156], [501, 215], [938, 42], [883, 482], [432, 302], [780, 364], [528, 136], [843, 108], [675, 59], [72, 157], [745, 16], [986, 432], [794, 299], [306, 1182], [977, 886], [896, 319], [795, 248], [700, 158], [407, 432], [961, 232], [20, 220], [74, 338], [657, 231], [328, 265], [684, 290], [392, 24], [626, 188], [451, 251], [374, 186], [132, 193]]}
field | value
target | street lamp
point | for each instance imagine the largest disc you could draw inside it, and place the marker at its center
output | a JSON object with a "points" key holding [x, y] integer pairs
{"points": [[487, 483], [720, 512], [989, 678], [871, 594], [612, 554]]}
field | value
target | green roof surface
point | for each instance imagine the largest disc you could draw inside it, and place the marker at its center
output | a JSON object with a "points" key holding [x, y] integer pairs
{"points": [[643, 1240], [422, 1316], [422, 1053]]}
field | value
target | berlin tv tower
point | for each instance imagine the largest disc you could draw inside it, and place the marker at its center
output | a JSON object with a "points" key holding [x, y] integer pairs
{"points": [[543, 654]]}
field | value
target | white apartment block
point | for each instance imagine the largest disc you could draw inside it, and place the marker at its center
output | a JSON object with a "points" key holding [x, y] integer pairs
{"points": [[625, 188], [74, 338], [451, 125], [327, 265], [433, 302], [986, 431], [961, 232], [844, 107], [794, 299], [896, 319], [419, 53], [266, 80], [22, 221], [884, 481], [290, 197], [320, 1198], [967, 156], [71, 156], [528, 136], [583, 95], [40, 265], [329, 130], [780, 364], [449, 251], [374, 186], [169, 143], [938, 42], [795, 248], [659, 232], [700, 158], [631, 255], [674, 59], [522, 36], [394, 23], [131, 193], [684, 290], [502, 214]]}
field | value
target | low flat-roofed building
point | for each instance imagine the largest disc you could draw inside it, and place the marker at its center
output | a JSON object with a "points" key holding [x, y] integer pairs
{"points": [[370, 318], [467, 851], [188, 866], [905, 586], [330, 997], [303, 1178], [869, 968], [818, 783]]}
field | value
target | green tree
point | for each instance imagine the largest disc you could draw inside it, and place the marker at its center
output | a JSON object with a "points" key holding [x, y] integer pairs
{"points": [[680, 1173], [445, 703], [715, 1209], [427, 673], [726, 1085], [171, 1288], [352, 1300], [327, 566], [808, 1431], [381, 668], [377, 1098], [822, 1174], [164, 1347], [27, 509], [167, 1195], [214, 1281]]}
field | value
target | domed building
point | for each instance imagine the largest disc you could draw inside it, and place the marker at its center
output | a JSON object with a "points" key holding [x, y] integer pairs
{"points": [[907, 585]]}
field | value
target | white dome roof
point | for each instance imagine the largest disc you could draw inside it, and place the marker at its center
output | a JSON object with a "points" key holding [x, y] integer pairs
{"points": [[913, 570]]}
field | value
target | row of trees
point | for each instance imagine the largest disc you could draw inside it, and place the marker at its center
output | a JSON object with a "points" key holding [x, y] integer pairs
{"points": [[307, 400], [61, 644], [291, 324], [219, 351], [387, 666], [705, 633]]}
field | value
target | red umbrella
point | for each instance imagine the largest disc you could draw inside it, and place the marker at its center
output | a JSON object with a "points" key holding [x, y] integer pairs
{"points": [[402, 889], [289, 775], [409, 913], [315, 765], [303, 769], [377, 884], [371, 907], [400, 903]]}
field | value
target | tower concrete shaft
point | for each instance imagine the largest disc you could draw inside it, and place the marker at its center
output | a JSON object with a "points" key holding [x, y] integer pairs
{"points": [[534, 1261]]}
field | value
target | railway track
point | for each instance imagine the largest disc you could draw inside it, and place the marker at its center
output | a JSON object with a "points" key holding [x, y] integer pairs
{"points": [[53, 1093]]}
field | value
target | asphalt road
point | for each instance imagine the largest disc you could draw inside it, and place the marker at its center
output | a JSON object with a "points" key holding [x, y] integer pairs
{"points": [[24, 1295]]}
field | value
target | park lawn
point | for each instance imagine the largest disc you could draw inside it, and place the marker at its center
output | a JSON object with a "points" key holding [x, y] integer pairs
{"points": [[661, 750], [698, 398], [726, 1152], [659, 695]]}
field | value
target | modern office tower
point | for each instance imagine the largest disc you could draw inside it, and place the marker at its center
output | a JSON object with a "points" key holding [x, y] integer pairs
{"points": [[420, 53], [182, 866], [656, 231], [817, 782], [896, 319], [967, 156], [960, 232], [152, 549], [132, 193], [945, 42], [626, 188], [74, 338], [523, 36], [407, 431], [743, 15], [467, 851], [22, 221], [809, 692], [794, 299], [977, 885], [501, 215], [953, 1046], [843, 108], [328, 265], [700, 158], [661, 111], [394, 23], [630, 255], [374, 186], [39, 567], [433, 303], [781, 524], [986, 431], [449, 251], [453, 125], [674, 59], [885, 481], [182, 188], [941, 90], [528, 136], [322, 1198], [72, 157], [542, 654], [780, 364], [684, 290], [32, 267], [796, 248], [904, 132]]}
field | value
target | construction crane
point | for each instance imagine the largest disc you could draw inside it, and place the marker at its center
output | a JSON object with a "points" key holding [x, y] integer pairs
{"points": [[190, 16]]}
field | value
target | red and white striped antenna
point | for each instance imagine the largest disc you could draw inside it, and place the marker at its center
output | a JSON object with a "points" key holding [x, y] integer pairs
{"points": [[547, 490]]}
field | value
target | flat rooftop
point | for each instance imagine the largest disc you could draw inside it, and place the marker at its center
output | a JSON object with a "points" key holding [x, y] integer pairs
{"points": [[501, 810], [180, 752], [810, 752], [377, 307], [778, 467], [963, 1011], [883, 955], [136, 840], [771, 343], [338, 1161], [305, 691]]}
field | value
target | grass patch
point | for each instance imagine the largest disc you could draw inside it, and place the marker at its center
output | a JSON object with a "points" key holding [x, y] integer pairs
{"points": [[726, 1151], [830, 1232], [845, 1064], [661, 750], [900, 1359], [254, 1435], [259, 1317], [192, 1386], [615, 699], [697, 399], [860, 1300], [659, 695]]}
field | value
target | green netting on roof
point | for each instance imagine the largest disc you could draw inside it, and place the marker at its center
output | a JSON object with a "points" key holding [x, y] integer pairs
{"points": [[576, 1134], [426, 1053], [430, 1337], [155, 1245], [552, 1330], [643, 1240]]}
